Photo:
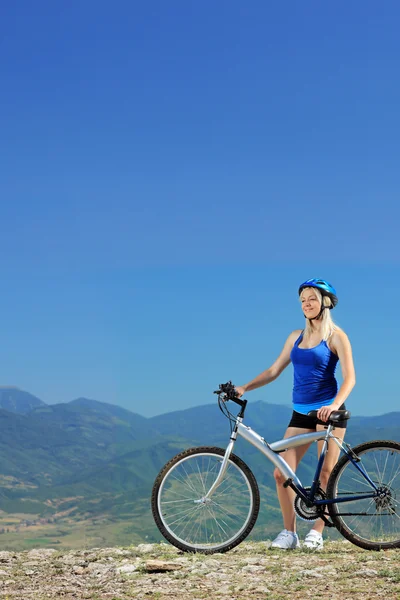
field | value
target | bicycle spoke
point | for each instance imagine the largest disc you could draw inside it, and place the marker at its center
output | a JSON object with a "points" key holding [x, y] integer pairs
{"points": [[211, 522], [375, 521], [391, 480]]}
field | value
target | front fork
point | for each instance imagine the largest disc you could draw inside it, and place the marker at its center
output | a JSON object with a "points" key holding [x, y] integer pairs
{"points": [[223, 467]]}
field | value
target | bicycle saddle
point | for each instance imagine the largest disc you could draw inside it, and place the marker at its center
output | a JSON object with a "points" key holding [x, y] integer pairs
{"points": [[335, 417]]}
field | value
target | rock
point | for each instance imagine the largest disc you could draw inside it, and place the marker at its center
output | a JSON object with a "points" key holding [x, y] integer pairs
{"points": [[253, 569], [224, 589], [6, 556], [217, 575], [92, 557], [253, 560], [41, 553], [78, 570], [145, 548], [120, 552], [211, 563], [311, 573], [197, 571], [98, 568], [366, 572], [127, 569], [160, 566]]}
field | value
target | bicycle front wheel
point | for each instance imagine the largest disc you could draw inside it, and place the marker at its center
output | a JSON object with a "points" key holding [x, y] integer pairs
{"points": [[372, 521], [194, 523]]}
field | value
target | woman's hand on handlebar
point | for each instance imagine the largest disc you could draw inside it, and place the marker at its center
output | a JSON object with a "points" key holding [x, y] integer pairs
{"points": [[240, 390]]}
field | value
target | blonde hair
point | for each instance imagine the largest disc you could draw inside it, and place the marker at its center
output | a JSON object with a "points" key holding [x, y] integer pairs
{"points": [[327, 324]]}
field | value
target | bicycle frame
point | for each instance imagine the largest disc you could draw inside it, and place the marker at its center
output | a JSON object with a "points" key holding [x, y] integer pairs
{"points": [[271, 451]]}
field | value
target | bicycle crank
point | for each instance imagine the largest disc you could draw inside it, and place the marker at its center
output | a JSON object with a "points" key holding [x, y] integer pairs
{"points": [[310, 513]]}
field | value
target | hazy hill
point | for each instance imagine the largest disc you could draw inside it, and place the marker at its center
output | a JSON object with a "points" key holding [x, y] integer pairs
{"points": [[116, 413], [207, 424], [51, 444], [104, 424], [18, 401]]}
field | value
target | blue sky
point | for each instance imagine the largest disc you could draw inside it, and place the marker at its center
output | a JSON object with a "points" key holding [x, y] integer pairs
{"points": [[171, 171]]}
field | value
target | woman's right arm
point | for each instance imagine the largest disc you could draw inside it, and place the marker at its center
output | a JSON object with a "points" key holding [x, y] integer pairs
{"points": [[274, 370]]}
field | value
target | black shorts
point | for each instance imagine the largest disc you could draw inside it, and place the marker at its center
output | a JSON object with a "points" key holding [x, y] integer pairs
{"points": [[306, 422]]}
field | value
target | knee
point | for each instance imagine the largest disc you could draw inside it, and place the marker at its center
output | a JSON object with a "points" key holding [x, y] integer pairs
{"points": [[279, 478]]}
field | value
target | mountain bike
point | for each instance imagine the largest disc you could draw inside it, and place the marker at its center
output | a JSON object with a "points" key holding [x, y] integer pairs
{"points": [[207, 500]]}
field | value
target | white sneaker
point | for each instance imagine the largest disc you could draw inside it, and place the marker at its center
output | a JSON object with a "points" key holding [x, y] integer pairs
{"points": [[313, 540], [286, 540]]}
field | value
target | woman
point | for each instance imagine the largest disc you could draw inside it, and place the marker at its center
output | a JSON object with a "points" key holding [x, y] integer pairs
{"points": [[314, 352]]}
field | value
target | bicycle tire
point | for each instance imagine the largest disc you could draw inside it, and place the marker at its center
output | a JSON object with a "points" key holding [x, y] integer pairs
{"points": [[370, 523], [217, 525]]}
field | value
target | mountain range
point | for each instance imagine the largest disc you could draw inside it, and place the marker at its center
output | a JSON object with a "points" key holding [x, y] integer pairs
{"points": [[84, 470]]}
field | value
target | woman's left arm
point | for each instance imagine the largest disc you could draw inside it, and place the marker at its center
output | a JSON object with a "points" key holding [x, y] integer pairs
{"points": [[340, 344]]}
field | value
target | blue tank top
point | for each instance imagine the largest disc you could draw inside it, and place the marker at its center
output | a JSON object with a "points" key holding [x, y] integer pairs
{"points": [[314, 376]]}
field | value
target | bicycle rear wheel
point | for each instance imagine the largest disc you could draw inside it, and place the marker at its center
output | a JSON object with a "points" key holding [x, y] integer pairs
{"points": [[372, 523], [195, 524]]}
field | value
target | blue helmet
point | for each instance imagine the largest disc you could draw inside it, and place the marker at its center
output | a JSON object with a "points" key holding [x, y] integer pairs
{"points": [[324, 287]]}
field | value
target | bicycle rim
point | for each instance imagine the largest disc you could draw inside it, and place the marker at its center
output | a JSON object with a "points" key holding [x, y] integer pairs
{"points": [[371, 523], [213, 525]]}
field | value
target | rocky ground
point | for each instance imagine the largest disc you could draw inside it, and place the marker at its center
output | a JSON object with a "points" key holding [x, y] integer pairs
{"points": [[158, 571]]}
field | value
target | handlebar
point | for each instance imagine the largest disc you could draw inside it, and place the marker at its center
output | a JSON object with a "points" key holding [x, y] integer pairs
{"points": [[228, 392]]}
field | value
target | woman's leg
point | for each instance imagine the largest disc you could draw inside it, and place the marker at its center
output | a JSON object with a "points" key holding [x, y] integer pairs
{"points": [[286, 496], [330, 461]]}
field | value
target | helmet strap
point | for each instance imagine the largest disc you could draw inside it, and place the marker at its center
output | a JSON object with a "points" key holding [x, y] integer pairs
{"points": [[320, 313]]}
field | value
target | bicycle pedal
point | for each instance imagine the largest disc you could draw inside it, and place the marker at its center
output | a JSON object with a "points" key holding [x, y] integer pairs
{"points": [[327, 522]]}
